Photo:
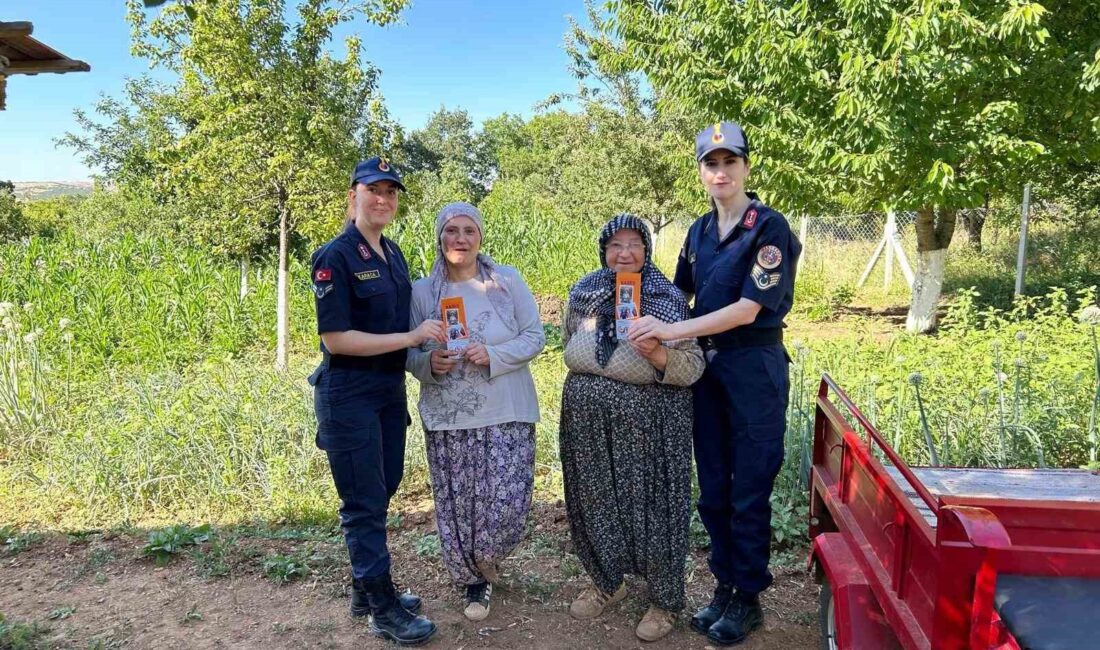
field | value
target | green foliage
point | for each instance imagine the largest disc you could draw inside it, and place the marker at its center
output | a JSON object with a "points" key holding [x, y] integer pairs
{"points": [[22, 636], [282, 569], [877, 104], [14, 541], [427, 545], [163, 544], [12, 223]]}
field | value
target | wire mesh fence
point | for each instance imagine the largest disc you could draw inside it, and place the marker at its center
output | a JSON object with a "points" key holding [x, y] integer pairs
{"points": [[846, 249]]}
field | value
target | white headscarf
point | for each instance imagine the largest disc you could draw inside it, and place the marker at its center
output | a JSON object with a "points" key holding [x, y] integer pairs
{"points": [[496, 289]]}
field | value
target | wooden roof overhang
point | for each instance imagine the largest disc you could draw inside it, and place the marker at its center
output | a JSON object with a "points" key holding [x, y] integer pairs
{"points": [[21, 54]]}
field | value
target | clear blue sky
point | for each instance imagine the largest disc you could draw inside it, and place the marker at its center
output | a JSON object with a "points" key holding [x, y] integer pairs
{"points": [[487, 56]]}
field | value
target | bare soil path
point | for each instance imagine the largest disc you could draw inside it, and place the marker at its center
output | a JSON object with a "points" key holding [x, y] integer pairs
{"points": [[98, 591]]}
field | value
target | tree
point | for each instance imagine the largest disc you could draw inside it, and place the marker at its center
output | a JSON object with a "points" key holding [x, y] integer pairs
{"points": [[449, 152], [267, 122], [12, 223], [901, 105]]}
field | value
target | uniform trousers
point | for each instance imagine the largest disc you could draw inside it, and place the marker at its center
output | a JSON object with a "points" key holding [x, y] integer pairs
{"points": [[361, 424], [740, 419]]}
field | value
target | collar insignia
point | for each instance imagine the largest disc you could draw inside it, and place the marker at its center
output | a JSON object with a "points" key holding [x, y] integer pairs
{"points": [[750, 218], [364, 251]]}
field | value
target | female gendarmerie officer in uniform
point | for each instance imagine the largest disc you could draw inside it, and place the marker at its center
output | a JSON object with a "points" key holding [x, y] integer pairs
{"points": [[738, 261], [362, 291]]}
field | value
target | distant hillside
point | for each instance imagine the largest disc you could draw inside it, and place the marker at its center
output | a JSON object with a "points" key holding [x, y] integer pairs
{"points": [[33, 190]]}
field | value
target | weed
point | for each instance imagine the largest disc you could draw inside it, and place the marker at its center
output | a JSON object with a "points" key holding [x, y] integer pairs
{"points": [[192, 614], [21, 636], [60, 613], [282, 569], [427, 545], [570, 566], [537, 586], [17, 542], [393, 521], [213, 560], [163, 544]]}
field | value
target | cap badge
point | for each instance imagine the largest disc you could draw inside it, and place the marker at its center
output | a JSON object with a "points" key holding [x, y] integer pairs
{"points": [[382, 166], [718, 136]]}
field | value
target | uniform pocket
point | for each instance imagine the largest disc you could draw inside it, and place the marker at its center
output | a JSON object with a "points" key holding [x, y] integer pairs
{"points": [[775, 362], [767, 432]]}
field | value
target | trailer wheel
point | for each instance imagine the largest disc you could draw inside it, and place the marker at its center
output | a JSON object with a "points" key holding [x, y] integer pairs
{"points": [[827, 616]]}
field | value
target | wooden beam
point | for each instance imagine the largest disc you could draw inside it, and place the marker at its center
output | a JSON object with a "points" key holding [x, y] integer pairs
{"points": [[56, 65], [20, 28]]}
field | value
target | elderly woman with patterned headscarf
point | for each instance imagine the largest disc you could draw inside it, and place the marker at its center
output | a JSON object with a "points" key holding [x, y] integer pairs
{"points": [[479, 406], [626, 435]]}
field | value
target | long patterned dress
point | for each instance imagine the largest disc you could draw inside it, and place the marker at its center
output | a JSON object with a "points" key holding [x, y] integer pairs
{"points": [[626, 458]]}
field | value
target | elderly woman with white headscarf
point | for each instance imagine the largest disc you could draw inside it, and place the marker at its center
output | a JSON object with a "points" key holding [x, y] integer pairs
{"points": [[479, 406]]}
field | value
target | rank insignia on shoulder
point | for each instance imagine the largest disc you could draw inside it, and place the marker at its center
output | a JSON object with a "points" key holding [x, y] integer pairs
{"points": [[364, 251], [750, 218], [769, 257], [322, 291], [763, 279], [322, 275], [368, 275]]}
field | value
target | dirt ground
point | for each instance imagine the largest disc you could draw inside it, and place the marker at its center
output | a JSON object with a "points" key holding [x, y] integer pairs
{"points": [[97, 590]]}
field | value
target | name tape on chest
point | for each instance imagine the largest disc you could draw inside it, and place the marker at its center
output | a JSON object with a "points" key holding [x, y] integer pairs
{"points": [[368, 275], [763, 279]]}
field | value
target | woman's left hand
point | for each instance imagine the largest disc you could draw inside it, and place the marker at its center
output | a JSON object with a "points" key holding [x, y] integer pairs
{"points": [[648, 327], [477, 354], [645, 347]]}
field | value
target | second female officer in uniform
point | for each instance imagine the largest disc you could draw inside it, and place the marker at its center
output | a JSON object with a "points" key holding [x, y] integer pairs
{"points": [[362, 291], [738, 260]]}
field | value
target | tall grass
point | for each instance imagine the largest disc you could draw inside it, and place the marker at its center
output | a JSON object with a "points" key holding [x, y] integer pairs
{"points": [[155, 401]]}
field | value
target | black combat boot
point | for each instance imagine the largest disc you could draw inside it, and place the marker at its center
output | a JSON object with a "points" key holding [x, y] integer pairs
{"points": [[707, 616], [389, 620], [743, 615], [360, 607]]}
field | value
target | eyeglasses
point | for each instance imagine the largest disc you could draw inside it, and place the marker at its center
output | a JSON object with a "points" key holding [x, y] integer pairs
{"points": [[633, 247]]}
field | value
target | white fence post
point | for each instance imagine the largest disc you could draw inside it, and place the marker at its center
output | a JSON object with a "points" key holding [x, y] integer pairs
{"points": [[1021, 256]]}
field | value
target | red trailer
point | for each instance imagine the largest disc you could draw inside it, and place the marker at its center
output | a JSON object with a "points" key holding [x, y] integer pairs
{"points": [[947, 558]]}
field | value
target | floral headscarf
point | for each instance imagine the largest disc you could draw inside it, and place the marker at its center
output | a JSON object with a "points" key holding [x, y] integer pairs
{"points": [[594, 294]]}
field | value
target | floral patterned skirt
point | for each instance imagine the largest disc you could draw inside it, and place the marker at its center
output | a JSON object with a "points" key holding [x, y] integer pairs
{"points": [[482, 481], [626, 463]]}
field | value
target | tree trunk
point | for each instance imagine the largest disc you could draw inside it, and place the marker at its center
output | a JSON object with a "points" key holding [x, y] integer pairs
{"points": [[935, 227], [974, 223], [281, 315], [244, 277]]}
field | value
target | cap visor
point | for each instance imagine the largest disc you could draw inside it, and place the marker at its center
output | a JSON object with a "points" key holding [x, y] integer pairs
{"points": [[374, 178], [737, 151]]}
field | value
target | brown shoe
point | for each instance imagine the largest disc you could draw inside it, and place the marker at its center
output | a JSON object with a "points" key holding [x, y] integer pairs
{"points": [[592, 602], [489, 570], [655, 624]]}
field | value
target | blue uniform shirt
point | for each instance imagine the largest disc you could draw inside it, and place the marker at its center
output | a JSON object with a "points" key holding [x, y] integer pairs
{"points": [[755, 260], [354, 289]]}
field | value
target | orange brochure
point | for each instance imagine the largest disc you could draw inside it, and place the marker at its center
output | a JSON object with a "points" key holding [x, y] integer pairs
{"points": [[628, 301], [453, 312]]}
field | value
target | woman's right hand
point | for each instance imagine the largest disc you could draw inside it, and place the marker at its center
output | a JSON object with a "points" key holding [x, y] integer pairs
{"points": [[429, 330], [443, 360]]}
